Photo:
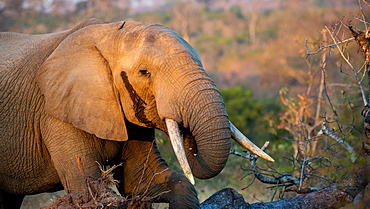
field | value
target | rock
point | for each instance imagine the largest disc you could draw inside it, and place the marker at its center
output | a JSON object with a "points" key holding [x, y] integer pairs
{"points": [[226, 198]]}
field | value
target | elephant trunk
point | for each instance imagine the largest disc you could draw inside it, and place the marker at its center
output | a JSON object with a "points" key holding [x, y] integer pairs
{"points": [[207, 150], [206, 133]]}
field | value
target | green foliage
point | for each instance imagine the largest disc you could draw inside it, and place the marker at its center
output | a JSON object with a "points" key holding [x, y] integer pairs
{"points": [[154, 17], [238, 12], [252, 116]]}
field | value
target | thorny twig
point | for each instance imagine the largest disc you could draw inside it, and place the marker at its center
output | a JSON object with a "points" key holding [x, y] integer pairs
{"points": [[143, 197], [366, 114], [285, 180], [325, 130], [150, 183], [363, 18], [368, 4], [321, 47], [87, 181], [136, 189], [108, 175], [349, 64], [96, 188], [318, 176]]}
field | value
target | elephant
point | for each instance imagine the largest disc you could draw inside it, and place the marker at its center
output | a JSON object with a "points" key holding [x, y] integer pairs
{"points": [[98, 91]]}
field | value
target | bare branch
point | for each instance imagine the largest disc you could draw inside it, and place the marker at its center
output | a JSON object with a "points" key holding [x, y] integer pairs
{"points": [[285, 180], [318, 176], [349, 64], [366, 115], [366, 3], [327, 46], [363, 19], [325, 130]]}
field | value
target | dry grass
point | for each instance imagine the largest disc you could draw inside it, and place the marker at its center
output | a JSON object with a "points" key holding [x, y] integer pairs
{"points": [[99, 194]]}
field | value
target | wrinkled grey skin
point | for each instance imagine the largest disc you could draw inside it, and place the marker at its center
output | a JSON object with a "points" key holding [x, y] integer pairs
{"points": [[97, 92]]}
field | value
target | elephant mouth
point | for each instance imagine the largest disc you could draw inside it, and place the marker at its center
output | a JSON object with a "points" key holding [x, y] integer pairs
{"points": [[183, 138], [189, 142]]}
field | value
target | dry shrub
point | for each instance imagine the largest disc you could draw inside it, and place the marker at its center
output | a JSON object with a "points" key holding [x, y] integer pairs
{"points": [[98, 194]]}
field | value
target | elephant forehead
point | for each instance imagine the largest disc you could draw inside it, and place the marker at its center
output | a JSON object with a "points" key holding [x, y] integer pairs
{"points": [[146, 40], [147, 33], [151, 37]]}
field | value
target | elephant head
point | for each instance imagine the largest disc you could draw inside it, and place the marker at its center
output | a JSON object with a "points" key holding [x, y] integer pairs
{"points": [[146, 73]]}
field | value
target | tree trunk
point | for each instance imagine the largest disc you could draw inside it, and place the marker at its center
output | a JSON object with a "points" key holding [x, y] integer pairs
{"points": [[334, 196]]}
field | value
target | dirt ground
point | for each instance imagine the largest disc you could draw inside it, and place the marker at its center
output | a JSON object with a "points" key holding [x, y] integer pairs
{"points": [[40, 200], [44, 199]]}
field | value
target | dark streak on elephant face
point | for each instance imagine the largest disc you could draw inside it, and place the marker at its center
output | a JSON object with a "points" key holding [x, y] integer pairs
{"points": [[139, 104]]}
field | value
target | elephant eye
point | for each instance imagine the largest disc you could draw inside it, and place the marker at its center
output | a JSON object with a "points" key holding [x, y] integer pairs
{"points": [[145, 72]]}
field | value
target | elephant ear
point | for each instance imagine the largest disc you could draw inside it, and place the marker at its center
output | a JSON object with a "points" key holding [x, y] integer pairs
{"points": [[76, 82]]}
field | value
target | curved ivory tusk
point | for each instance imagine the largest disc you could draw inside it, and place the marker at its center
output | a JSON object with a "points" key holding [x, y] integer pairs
{"points": [[178, 146], [247, 144]]}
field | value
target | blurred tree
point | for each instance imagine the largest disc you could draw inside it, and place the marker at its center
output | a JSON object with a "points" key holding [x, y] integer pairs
{"points": [[14, 8], [61, 7], [186, 17], [14, 5], [250, 115]]}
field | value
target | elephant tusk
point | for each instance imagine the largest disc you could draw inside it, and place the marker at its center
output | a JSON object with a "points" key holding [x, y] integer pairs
{"points": [[178, 147], [247, 144]]}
